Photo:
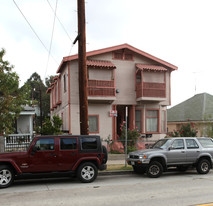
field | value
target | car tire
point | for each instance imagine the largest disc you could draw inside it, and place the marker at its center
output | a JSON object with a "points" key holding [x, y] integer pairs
{"points": [[6, 176], [139, 170], [154, 169], [105, 152], [87, 172], [203, 166]]}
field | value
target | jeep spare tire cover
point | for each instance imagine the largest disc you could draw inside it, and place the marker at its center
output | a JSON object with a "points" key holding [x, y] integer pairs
{"points": [[105, 154]]}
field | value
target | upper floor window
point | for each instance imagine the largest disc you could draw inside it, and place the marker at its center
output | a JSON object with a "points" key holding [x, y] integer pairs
{"points": [[123, 55], [65, 83]]}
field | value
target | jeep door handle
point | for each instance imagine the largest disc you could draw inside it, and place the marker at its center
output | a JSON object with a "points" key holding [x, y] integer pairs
{"points": [[72, 154], [53, 154]]}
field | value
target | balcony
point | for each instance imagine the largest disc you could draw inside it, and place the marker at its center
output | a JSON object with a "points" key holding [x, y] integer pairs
{"points": [[101, 90], [151, 91]]}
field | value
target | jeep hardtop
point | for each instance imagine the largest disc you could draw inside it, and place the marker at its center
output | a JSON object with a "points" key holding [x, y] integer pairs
{"points": [[80, 155]]}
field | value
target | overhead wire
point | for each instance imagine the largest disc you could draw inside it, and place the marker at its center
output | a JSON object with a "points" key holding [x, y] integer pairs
{"points": [[34, 31], [51, 38]]}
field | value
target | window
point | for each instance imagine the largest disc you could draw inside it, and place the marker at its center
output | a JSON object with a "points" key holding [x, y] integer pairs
{"points": [[152, 120], [45, 144], [123, 55], [206, 143], [93, 123], [163, 122], [178, 144], [89, 143], [191, 144], [138, 119], [68, 143], [65, 83]]}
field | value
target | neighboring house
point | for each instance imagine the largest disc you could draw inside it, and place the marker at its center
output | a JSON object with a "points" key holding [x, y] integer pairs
{"points": [[118, 77], [25, 121], [197, 110]]}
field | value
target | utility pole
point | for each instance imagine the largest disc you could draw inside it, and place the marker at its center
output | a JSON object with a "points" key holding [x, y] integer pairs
{"points": [[83, 93]]}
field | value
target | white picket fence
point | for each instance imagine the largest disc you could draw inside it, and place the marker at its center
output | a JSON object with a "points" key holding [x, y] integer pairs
{"points": [[17, 142]]}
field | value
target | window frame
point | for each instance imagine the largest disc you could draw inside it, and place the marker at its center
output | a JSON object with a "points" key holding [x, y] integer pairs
{"points": [[97, 117], [142, 122], [148, 117]]}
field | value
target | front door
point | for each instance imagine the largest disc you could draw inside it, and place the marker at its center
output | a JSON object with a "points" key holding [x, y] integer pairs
{"points": [[177, 152], [45, 159]]}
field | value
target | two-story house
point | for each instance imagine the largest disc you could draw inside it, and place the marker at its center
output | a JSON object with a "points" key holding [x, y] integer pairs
{"points": [[118, 77]]}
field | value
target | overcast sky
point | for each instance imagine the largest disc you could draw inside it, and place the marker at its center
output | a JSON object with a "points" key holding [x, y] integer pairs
{"points": [[177, 31]]}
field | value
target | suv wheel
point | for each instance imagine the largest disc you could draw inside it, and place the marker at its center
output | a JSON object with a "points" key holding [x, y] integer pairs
{"points": [[154, 169], [6, 176], [203, 166], [87, 172]]}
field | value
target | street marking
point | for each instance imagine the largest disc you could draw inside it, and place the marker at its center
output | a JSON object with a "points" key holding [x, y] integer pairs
{"points": [[208, 204]]}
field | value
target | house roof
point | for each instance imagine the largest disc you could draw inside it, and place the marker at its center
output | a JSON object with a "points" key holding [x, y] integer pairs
{"points": [[197, 108], [114, 48], [150, 67], [102, 64]]}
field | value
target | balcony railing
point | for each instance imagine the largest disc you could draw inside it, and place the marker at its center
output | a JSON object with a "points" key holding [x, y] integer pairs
{"points": [[150, 89], [101, 88]]}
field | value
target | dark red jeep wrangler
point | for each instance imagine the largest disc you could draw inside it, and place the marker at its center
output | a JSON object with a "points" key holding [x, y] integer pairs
{"points": [[81, 155]]}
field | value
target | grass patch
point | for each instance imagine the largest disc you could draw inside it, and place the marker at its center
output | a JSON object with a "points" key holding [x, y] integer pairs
{"points": [[119, 167]]}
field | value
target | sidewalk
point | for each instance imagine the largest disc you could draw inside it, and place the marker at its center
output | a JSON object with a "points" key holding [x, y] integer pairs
{"points": [[116, 159]]}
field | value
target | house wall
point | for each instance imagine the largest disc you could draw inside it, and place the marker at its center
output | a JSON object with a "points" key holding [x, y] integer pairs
{"points": [[124, 82], [24, 124]]}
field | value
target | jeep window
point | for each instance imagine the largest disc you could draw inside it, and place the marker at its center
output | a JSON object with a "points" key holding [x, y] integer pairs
{"points": [[68, 143], [178, 144], [191, 144], [206, 143], [45, 144], [162, 144], [89, 143]]}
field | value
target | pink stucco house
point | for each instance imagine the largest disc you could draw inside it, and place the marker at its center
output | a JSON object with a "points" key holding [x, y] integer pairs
{"points": [[118, 76]]}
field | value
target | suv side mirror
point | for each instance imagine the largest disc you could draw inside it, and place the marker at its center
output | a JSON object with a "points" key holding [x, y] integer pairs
{"points": [[34, 149]]}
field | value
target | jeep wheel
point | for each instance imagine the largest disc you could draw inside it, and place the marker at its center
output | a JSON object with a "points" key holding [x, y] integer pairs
{"points": [[203, 166], [87, 172], [6, 176], [154, 169]]}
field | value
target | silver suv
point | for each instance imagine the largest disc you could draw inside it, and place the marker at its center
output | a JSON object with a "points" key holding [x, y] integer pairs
{"points": [[180, 152]]}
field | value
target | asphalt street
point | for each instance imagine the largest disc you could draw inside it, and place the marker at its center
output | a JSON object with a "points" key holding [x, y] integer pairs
{"points": [[184, 189]]}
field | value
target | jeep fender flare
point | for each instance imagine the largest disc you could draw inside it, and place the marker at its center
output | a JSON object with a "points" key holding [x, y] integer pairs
{"points": [[11, 163], [87, 159]]}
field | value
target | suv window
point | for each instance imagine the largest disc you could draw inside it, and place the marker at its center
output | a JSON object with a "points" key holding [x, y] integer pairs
{"points": [[178, 144], [191, 144], [68, 143], [206, 143], [89, 143], [45, 144]]}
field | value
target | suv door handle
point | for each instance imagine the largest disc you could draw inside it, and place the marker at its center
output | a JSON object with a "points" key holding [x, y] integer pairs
{"points": [[182, 151]]}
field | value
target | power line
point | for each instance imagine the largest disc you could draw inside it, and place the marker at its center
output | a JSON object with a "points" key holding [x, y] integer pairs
{"points": [[60, 22], [51, 37], [34, 31]]}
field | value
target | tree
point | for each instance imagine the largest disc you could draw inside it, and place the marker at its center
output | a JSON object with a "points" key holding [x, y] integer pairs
{"points": [[37, 93], [11, 97], [52, 127]]}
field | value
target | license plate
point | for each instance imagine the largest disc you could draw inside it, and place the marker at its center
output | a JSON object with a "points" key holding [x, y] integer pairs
{"points": [[132, 163]]}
